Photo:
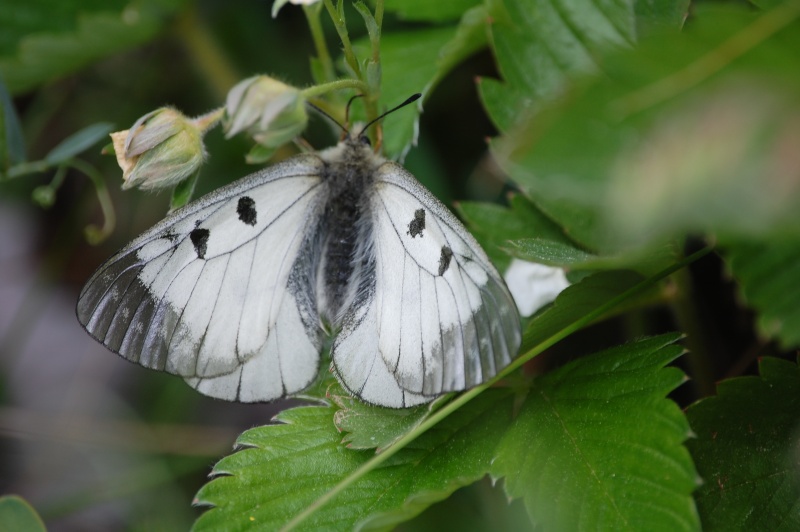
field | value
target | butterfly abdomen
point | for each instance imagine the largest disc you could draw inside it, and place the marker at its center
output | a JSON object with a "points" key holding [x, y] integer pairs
{"points": [[348, 176]]}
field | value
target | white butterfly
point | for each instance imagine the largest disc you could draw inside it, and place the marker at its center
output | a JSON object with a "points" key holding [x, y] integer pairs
{"points": [[231, 291]]}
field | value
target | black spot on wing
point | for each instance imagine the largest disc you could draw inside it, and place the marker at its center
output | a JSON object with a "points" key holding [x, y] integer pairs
{"points": [[444, 260], [199, 239], [416, 226], [246, 209]]}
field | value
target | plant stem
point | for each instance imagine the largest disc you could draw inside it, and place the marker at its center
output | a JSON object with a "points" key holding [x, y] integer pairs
{"points": [[467, 396], [341, 29], [701, 347], [207, 56], [318, 36], [379, 13], [339, 84], [93, 234]]}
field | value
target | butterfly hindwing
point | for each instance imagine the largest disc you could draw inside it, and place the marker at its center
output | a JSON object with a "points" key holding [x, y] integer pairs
{"points": [[220, 292], [437, 316]]}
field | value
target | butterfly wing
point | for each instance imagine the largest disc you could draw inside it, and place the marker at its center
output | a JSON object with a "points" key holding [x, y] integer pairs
{"points": [[221, 291], [436, 316]]}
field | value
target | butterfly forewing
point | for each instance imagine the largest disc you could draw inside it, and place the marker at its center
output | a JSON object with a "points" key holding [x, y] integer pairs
{"points": [[218, 292]]}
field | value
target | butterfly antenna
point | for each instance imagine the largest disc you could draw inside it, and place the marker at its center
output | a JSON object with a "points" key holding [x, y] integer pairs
{"points": [[410, 100], [329, 117]]}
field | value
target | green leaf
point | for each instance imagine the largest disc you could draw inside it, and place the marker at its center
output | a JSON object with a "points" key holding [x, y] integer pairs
{"points": [[746, 450], [494, 225], [183, 191], [78, 142], [372, 427], [540, 46], [17, 514], [47, 39], [597, 445], [550, 252], [415, 61], [284, 468], [425, 10], [659, 16], [768, 275], [557, 253], [685, 134]]}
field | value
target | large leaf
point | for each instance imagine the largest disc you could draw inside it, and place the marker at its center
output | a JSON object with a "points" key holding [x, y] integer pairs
{"points": [[769, 278], [686, 133], [746, 450], [598, 446], [46, 39], [17, 514], [288, 466], [541, 46]]}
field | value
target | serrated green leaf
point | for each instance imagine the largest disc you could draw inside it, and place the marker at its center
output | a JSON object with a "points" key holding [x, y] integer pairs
{"points": [[768, 275], [425, 10], [550, 252], [746, 450], [540, 46], [415, 61], [659, 16], [78, 142], [494, 225], [598, 446], [641, 155], [373, 427], [17, 514], [286, 467], [50, 39]]}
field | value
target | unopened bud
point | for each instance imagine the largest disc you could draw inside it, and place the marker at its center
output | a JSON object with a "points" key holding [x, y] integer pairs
{"points": [[162, 148], [272, 112]]}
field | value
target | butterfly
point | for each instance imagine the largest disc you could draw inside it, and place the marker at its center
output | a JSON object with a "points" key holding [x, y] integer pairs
{"points": [[235, 291]]}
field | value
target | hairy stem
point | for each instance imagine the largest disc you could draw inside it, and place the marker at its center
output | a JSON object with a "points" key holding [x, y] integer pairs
{"points": [[206, 55], [318, 36]]}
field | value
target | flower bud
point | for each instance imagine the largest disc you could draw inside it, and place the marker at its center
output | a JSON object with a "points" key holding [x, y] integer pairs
{"points": [[161, 149], [272, 112]]}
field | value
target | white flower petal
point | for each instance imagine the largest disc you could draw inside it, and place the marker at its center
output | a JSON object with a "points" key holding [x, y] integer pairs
{"points": [[534, 285]]}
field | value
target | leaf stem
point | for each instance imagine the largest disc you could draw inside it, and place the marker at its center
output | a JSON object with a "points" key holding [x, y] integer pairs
{"points": [[467, 396], [207, 56], [704, 67], [341, 29], [339, 84], [94, 234], [318, 36]]}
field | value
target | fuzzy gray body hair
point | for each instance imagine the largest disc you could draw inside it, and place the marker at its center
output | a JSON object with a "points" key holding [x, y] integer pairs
{"points": [[346, 268]]}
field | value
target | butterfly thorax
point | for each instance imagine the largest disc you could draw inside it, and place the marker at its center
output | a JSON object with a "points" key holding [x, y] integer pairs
{"points": [[349, 175]]}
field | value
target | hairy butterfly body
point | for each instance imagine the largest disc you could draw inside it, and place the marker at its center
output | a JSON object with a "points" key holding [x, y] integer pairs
{"points": [[231, 291]]}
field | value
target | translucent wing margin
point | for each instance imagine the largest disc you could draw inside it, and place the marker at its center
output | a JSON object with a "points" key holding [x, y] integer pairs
{"points": [[221, 292], [438, 317]]}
